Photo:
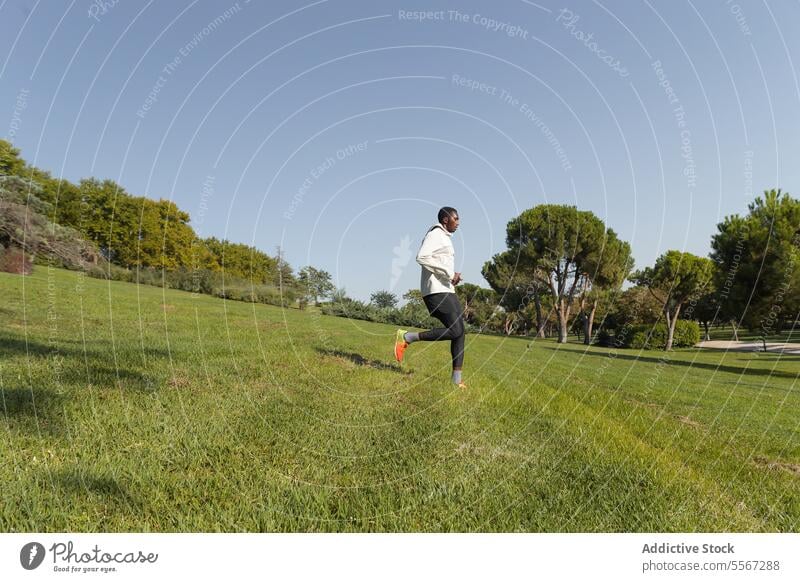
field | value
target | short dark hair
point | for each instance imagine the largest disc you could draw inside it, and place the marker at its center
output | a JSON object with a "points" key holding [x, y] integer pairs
{"points": [[446, 211]]}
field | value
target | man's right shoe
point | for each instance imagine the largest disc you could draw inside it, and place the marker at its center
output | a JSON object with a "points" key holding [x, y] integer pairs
{"points": [[400, 345]]}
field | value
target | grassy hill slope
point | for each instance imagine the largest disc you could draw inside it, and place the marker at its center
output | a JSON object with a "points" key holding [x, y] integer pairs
{"points": [[128, 408]]}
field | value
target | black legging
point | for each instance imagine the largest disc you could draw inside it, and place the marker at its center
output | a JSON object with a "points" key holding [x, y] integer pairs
{"points": [[446, 308]]}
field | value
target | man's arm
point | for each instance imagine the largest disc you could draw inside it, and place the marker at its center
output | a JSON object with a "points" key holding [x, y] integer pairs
{"points": [[425, 257]]}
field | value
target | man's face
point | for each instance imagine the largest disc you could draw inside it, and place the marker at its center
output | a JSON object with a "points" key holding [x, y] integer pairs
{"points": [[451, 222]]}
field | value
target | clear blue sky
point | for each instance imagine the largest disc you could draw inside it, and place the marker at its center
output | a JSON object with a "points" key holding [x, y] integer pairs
{"points": [[266, 102]]}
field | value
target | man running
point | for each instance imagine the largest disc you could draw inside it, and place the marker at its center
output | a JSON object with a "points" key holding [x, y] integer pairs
{"points": [[438, 281]]}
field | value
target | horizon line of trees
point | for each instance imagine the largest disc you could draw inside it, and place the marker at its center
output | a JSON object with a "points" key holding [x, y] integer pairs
{"points": [[561, 274], [564, 270], [97, 226]]}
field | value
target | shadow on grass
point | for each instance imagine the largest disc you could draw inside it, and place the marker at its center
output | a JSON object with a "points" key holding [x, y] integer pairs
{"points": [[772, 357], [80, 481], [18, 346], [675, 362], [14, 346], [34, 410], [360, 360], [83, 366]]}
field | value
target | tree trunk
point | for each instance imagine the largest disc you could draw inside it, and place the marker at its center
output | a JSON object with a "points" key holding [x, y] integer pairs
{"points": [[708, 336], [562, 325], [735, 331], [588, 324], [672, 319], [668, 347], [508, 324], [585, 327], [540, 321]]}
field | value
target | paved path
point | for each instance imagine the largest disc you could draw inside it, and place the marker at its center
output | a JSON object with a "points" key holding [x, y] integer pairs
{"points": [[751, 346]]}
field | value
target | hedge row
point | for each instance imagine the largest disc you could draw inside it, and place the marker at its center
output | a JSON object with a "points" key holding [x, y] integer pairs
{"points": [[410, 315], [199, 281], [652, 336]]}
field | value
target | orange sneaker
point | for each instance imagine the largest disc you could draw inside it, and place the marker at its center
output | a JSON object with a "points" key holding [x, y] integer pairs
{"points": [[461, 385], [400, 345]]}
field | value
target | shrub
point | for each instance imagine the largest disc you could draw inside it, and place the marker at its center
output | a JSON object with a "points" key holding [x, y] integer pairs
{"points": [[647, 337], [687, 334], [272, 296], [410, 315], [604, 338], [197, 281], [25, 222], [97, 272], [14, 260], [351, 309], [653, 337]]}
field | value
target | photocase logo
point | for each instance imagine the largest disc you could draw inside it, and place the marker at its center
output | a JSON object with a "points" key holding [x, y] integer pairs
{"points": [[31, 555]]}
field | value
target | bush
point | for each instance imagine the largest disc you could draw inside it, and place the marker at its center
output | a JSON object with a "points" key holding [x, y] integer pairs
{"points": [[352, 309], [410, 315], [687, 334], [197, 281], [604, 338], [272, 296], [14, 260], [654, 337], [26, 222], [647, 337]]}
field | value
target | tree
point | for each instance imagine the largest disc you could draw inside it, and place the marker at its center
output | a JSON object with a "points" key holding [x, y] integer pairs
{"points": [[414, 311], [676, 278], [758, 263], [414, 296], [63, 196], [605, 270], [339, 295], [26, 231], [705, 311], [634, 306], [110, 220], [10, 162], [479, 304], [569, 249], [595, 305], [243, 261], [316, 283], [174, 233], [97, 219], [516, 283], [383, 299], [284, 277]]}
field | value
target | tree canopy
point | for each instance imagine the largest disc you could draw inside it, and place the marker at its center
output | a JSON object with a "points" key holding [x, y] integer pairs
{"points": [[383, 299], [130, 231], [569, 250], [316, 283], [676, 278], [758, 263]]}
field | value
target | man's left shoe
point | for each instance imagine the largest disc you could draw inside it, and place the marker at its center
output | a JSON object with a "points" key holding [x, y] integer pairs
{"points": [[400, 345]]}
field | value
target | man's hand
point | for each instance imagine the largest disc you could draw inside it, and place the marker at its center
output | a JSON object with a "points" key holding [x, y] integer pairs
{"points": [[456, 279]]}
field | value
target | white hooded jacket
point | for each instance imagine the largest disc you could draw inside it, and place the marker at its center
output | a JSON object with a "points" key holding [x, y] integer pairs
{"points": [[437, 258]]}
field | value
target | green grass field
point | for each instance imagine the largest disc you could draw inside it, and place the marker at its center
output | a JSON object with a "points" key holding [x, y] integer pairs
{"points": [[725, 333], [129, 408]]}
